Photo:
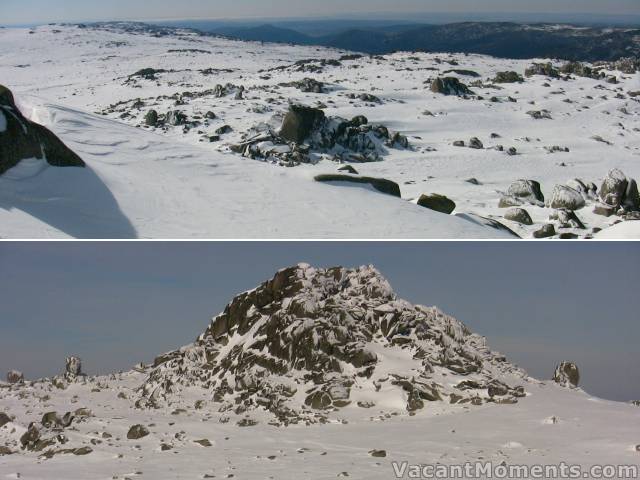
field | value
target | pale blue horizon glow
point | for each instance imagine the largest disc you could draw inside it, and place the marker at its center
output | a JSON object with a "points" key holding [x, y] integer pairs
{"points": [[37, 11], [117, 304]]}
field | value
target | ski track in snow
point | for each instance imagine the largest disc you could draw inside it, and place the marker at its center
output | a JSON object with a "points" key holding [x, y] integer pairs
{"points": [[170, 184]]}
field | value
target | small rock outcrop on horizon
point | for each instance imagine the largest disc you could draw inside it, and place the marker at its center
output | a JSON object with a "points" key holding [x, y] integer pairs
{"points": [[22, 139], [567, 374], [310, 340], [14, 376], [73, 368]]}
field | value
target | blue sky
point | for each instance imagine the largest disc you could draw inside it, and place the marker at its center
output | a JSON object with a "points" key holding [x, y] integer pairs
{"points": [[33, 11], [116, 304]]}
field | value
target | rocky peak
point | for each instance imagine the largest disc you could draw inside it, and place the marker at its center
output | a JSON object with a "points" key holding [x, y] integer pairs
{"points": [[313, 339]]}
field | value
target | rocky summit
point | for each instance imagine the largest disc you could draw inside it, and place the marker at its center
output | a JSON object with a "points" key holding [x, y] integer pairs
{"points": [[311, 341]]}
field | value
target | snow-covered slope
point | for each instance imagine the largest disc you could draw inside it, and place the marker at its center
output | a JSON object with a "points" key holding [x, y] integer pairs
{"points": [[182, 181], [192, 429]]}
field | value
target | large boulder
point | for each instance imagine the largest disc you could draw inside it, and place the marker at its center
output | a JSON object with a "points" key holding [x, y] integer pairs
{"points": [[450, 86], [565, 197], [300, 121], [528, 191], [567, 374], [20, 138], [518, 215], [14, 376], [4, 419], [620, 191], [437, 202], [137, 431], [151, 118]]}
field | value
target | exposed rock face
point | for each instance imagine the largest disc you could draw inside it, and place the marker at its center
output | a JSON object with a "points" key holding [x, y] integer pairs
{"points": [[14, 376], [450, 86], [300, 121], [73, 368], [300, 344], [21, 139], [567, 374]]}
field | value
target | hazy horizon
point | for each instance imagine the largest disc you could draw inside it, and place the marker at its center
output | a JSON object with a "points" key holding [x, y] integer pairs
{"points": [[32, 12], [116, 304]]}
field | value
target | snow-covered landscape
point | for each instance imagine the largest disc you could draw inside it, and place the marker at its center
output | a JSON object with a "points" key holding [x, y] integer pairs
{"points": [[315, 374], [192, 136]]}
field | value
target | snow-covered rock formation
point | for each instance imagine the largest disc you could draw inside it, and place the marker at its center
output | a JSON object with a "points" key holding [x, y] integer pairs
{"points": [[312, 340]]}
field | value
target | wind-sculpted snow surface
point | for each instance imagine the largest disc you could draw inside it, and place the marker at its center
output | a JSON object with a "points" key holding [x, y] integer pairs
{"points": [[310, 341]]}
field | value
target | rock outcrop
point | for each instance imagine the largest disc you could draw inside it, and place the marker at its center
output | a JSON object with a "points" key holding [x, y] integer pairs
{"points": [[22, 139], [306, 132], [310, 341], [567, 374], [73, 368], [450, 86], [14, 376]]}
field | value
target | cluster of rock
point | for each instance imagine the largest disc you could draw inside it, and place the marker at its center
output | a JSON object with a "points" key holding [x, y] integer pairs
{"points": [[300, 344], [307, 85], [508, 77], [597, 71], [618, 195], [306, 132], [20, 138], [47, 435], [477, 144]]}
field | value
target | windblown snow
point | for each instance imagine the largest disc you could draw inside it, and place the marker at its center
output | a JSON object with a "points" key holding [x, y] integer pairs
{"points": [[316, 373], [182, 171]]}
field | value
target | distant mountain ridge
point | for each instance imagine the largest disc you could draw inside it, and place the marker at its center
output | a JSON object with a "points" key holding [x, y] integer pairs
{"points": [[499, 39]]}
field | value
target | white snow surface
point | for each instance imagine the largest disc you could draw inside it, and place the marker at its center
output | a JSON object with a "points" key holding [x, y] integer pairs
{"points": [[586, 431], [150, 183]]}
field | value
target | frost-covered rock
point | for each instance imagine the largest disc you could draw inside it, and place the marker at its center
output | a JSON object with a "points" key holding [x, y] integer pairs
{"points": [[528, 191], [565, 197], [567, 374], [620, 191], [299, 344], [519, 215]]}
